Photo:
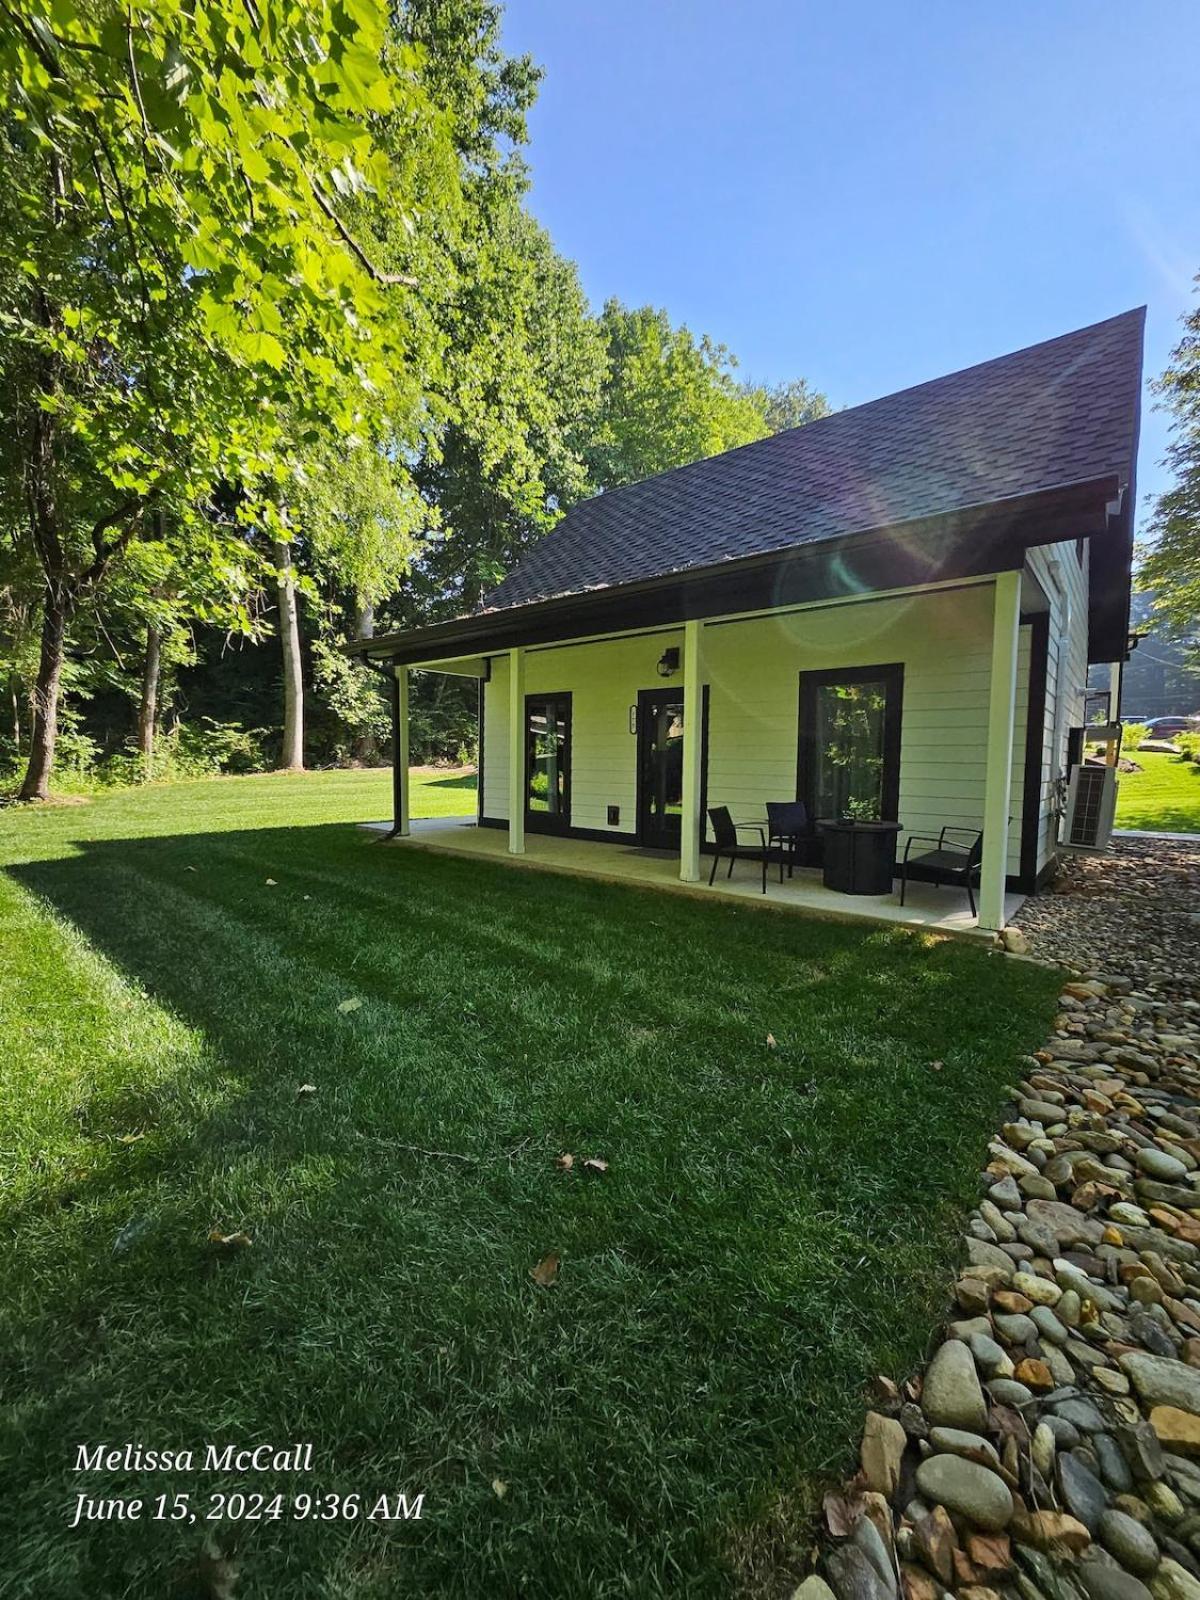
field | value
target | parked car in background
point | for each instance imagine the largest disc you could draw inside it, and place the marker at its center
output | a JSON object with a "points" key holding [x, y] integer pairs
{"points": [[1168, 727]]}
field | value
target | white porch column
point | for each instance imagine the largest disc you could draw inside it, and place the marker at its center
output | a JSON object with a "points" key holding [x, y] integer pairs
{"points": [[997, 794], [691, 823], [516, 752]]}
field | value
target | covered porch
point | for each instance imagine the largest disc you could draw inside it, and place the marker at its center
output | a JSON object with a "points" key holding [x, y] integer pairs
{"points": [[586, 768], [942, 911]]}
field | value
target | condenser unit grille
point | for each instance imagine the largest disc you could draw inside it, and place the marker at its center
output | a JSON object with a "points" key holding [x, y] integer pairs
{"points": [[1087, 812]]}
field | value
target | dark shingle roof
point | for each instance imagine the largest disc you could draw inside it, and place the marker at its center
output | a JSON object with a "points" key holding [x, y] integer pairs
{"points": [[1057, 413]]}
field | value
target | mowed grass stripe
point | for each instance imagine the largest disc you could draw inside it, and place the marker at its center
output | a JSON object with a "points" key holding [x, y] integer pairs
{"points": [[775, 1225]]}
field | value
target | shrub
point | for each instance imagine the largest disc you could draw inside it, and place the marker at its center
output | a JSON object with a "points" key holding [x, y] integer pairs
{"points": [[202, 749], [1189, 747], [1132, 735]]}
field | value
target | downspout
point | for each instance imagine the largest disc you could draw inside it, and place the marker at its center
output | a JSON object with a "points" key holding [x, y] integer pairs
{"points": [[1063, 595], [1056, 749], [393, 688]]}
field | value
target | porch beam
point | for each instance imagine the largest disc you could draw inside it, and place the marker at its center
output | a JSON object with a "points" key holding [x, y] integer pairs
{"points": [[691, 823], [516, 751], [399, 707], [997, 794]]}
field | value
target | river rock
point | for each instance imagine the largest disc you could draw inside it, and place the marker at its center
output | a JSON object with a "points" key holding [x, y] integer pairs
{"points": [[1162, 1381], [870, 1541], [1103, 1582], [990, 1358], [1113, 1467], [952, 1397], [1173, 1582], [814, 1587], [1156, 1163], [1048, 1325], [966, 1488], [1131, 1543], [1052, 1531], [1083, 1495], [883, 1445], [854, 1577], [1015, 1326], [971, 1446], [1177, 1430], [1040, 1290]]}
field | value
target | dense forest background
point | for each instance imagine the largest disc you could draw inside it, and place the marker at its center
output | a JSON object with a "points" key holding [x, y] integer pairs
{"points": [[286, 360], [211, 637]]}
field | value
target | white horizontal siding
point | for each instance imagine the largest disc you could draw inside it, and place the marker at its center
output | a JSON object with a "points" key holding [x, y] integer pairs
{"points": [[752, 670]]}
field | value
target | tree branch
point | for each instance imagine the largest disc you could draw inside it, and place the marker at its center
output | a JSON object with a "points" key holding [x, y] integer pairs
{"points": [[347, 237]]}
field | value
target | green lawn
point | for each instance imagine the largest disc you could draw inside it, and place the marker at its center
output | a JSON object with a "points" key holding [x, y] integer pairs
{"points": [[1164, 797], [775, 1224]]}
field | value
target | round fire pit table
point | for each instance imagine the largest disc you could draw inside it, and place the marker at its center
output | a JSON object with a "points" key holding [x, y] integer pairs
{"points": [[860, 857]]}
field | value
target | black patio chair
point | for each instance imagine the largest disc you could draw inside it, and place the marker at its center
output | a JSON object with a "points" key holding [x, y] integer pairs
{"points": [[956, 860], [787, 824], [725, 832]]}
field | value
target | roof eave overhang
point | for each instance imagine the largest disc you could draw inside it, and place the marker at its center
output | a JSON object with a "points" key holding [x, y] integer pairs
{"points": [[967, 543]]}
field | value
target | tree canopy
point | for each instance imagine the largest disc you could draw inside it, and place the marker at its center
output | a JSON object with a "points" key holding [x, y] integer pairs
{"points": [[667, 398], [281, 346], [1171, 567]]}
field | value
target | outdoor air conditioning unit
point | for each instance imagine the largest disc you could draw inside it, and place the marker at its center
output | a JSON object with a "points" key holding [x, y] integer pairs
{"points": [[1091, 800]]}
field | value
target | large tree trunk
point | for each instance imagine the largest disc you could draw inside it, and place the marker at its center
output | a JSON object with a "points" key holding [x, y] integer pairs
{"points": [[366, 747], [47, 687], [148, 708], [291, 757]]}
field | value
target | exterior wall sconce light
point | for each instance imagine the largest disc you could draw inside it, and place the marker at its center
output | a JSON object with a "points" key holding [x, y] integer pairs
{"points": [[668, 663]]}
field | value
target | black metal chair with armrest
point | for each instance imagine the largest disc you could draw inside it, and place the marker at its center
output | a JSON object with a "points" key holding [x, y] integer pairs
{"points": [[725, 833], [787, 822], [955, 860]]}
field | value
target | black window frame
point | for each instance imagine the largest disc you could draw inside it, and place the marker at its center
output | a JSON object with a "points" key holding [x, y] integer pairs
{"points": [[892, 675], [544, 821]]}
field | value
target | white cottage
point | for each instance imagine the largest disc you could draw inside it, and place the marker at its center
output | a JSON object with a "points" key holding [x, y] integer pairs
{"points": [[887, 615]]}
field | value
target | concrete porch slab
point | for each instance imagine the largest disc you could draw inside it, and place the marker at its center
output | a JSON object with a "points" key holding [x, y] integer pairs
{"points": [[935, 910]]}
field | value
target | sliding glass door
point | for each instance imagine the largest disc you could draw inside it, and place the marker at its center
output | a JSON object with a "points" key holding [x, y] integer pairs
{"points": [[850, 742]]}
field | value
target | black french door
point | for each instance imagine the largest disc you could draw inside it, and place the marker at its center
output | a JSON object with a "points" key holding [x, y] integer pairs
{"points": [[849, 761], [548, 763], [660, 768]]}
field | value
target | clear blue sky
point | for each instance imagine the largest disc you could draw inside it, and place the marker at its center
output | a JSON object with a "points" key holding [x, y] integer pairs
{"points": [[870, 193]]}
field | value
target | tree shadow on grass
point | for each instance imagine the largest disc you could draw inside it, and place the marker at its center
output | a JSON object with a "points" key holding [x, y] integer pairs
{"points": [[754, 1252], [459, 780]]}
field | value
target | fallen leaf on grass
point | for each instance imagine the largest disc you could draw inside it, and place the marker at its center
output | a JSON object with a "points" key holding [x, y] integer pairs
{"points": [[305, 1090], [772, 1042], [565, 1162], [271, 883], [229, 1241], [595, 1164], [546, 1272], [189, 869], [130, 1234], [937, 1065], [129, 1138], [350, 1005], [842, 1511], [499, 1488]]}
